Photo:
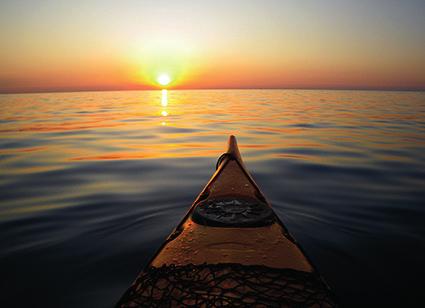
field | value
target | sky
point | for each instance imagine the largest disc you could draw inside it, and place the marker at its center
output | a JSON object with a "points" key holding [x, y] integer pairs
{"points": [[112, 45]]}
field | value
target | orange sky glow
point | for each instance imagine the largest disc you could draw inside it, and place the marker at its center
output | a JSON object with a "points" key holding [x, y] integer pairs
{"points": [[70, 46]]}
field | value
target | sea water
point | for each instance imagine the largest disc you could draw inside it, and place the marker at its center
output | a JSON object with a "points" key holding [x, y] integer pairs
{"points": [[91, 183]]}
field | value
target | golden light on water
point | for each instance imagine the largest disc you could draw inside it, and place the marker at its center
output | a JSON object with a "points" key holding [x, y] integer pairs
{"points": [[164, 104], [164, 98]]}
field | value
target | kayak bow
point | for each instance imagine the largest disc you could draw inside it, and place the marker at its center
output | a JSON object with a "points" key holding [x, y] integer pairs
{"points": [[230, 249]]}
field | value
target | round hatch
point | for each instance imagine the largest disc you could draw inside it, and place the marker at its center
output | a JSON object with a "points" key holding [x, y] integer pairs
{"points": [[233, 212]]}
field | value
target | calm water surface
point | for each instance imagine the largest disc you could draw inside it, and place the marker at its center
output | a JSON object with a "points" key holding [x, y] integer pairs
{"points": [[92, 183]]}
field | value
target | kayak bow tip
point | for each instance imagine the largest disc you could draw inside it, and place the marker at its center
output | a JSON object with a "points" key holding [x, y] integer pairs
{"points": [[233, 149]]}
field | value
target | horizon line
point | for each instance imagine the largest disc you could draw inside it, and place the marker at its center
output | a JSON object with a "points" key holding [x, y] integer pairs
{"points": [[111, 89]]}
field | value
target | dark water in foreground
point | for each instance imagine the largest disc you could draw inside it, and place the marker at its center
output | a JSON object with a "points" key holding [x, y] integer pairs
{"points": [[92, 183]]}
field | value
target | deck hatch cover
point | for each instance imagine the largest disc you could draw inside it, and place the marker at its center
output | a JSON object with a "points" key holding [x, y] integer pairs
{"points": [[233, 212]]}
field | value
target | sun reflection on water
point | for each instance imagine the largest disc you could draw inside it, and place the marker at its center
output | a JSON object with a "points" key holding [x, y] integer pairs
{"points": [[164, 98], [164, 104], [286, 124]]}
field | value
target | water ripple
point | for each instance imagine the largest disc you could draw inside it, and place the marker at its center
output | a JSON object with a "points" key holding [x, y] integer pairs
{"points": [[92, 183]]}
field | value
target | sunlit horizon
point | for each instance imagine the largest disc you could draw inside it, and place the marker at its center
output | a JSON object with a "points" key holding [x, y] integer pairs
{"points": [[50, 46]]}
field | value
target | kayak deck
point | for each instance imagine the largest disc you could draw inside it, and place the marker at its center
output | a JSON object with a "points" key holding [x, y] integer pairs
{"points": [[230, 249]]}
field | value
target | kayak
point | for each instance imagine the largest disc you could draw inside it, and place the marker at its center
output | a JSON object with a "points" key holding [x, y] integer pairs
{"points": [[230, 249]]}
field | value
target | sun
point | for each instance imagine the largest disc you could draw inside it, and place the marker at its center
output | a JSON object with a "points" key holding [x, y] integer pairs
{"points": [[163, 79]]}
